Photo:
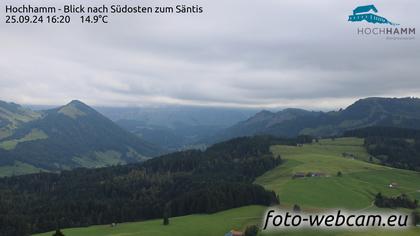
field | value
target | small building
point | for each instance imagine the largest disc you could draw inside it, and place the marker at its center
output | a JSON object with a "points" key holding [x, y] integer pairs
{"points": [[298, 175], [318, 174], [393, 185], [234, 233], [348, 155]]}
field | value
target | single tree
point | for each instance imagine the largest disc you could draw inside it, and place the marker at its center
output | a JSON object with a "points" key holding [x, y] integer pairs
{"points": [[339, 174], [416, 218], [251, 230], [58, 233], [165, 220], [166, 214], [296, 208]]}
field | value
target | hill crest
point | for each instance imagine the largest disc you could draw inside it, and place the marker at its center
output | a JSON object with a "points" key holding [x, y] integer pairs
{"points": [[373, 111]]}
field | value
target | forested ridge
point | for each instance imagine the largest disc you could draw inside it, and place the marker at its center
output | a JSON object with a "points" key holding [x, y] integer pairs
{"points": [[396, 147], [373, 111], [182, 183]]}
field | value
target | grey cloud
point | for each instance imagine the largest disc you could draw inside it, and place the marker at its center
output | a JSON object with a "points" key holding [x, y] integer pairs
{"points": [[238, 53]]}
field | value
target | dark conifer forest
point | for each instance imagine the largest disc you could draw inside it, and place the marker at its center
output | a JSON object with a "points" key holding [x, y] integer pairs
{"points": [[396, 147], [394, 202]]}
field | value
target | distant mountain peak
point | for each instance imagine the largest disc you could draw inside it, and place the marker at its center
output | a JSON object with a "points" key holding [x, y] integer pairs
{"points": [[264, 113], [295, 111], [78, 104], [388, 99], [75, 109]]}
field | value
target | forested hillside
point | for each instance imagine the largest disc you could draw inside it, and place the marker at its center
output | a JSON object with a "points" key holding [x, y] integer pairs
{"points": [[374, 111], [392, 146], [180, 183]]}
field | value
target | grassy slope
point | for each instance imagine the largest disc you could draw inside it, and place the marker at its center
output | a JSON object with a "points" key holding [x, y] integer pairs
{"points": [[106, 158], [354, 190], [35, 134], [100, 159], [212, 225], [18, 168], [14, 119]]}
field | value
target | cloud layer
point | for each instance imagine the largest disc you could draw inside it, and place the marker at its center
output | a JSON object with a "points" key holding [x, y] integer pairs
{"points": [[265, 53]]}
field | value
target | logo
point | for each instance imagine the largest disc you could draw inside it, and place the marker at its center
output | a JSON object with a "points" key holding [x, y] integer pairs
{"points": [[391, 30], [366, 13]]}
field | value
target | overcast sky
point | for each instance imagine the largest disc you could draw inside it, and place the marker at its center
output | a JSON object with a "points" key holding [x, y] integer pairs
{"points": [[257, 53]]}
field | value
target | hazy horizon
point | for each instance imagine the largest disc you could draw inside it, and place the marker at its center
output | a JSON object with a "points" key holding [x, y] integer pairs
{"points": [[181, 106]]}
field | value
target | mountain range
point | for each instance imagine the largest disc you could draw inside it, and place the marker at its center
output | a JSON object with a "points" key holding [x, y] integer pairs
{"points": [[374, 111], [67, 137]]}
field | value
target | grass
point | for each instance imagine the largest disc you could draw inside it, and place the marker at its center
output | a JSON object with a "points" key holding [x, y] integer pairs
{"points": [[5, 132], [71, 111], [25, 115], [354, 190], [35, 134], [100, 159], [409, 232], [18, 168], [212, 225], [105, 158], [14, 119]]}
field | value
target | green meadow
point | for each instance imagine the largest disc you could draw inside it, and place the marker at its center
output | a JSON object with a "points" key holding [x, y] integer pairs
{"points": [[35, 134], [353, 190], [212, 225], [18, 168]]}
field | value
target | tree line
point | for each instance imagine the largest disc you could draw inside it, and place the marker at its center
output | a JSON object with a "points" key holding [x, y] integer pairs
{"points": [[394, 202], [396, 147]]}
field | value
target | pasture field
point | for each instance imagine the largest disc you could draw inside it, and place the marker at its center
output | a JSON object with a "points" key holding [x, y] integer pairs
{"points": [[355, 189], [18, 168], [35, 134], [192, 225]]}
